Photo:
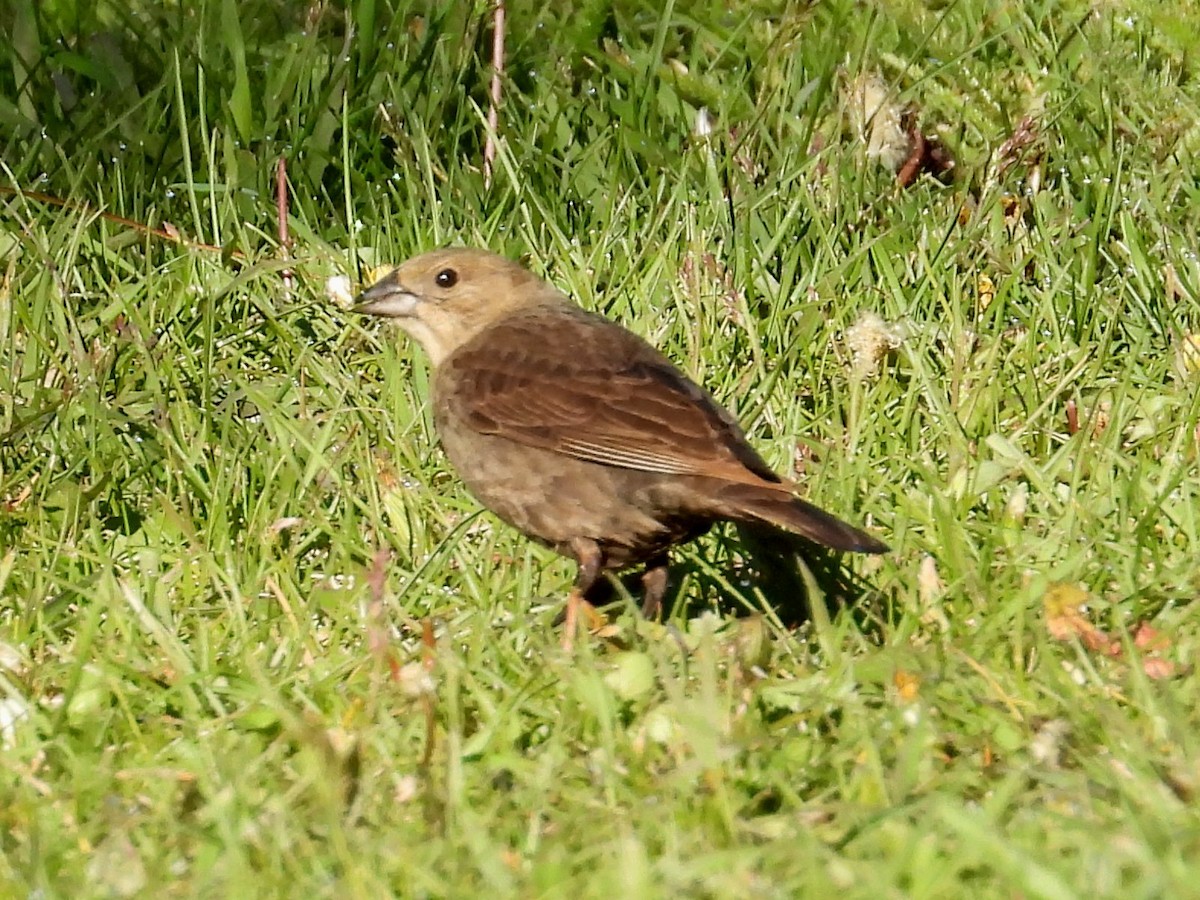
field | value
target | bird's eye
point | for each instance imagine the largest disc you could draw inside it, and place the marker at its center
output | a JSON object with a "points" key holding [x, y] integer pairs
{"points": [[447, 278]]}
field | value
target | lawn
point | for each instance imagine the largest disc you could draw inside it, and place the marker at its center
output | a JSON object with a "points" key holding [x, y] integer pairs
{"points": [[257, 640]]}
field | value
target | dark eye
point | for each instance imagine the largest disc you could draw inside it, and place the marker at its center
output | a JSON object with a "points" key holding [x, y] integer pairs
{"points": [[447, 278]]}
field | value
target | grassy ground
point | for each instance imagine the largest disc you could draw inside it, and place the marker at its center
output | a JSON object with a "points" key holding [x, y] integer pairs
{"points": [[225, 522]]}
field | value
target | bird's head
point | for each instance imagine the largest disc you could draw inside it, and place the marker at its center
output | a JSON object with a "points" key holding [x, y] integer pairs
{"points": [[446, 297]]}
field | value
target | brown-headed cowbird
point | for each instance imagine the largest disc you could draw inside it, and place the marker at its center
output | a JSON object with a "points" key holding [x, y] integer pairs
{"points": [[576, 431]]}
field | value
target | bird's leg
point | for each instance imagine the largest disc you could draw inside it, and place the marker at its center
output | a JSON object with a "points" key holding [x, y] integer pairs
{"points": [[654, 586], [588, 555]]}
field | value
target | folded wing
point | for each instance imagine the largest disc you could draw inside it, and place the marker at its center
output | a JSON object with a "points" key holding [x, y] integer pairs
{"points": [[599, 393]]}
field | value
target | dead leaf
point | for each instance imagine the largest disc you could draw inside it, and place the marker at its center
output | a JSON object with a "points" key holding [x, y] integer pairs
{"points": [[1172, 286], [1151, 642], [878, 120], [1063, 605], [1157, 668], [891, 130], [1148, 638], [930, 589]]}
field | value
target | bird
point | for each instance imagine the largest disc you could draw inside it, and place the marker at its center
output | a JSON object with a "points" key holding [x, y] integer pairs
{"points": [[576, 431]]}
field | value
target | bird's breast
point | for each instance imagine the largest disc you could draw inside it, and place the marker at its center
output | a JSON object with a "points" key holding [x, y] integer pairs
{"points": [[555, 499]]}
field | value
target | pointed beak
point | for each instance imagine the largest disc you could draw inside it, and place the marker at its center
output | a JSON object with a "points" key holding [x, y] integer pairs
{"points": [[386, 298]]}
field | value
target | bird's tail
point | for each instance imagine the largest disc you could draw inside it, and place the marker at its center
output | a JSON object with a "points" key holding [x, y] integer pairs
{"points": [[779, 509]]}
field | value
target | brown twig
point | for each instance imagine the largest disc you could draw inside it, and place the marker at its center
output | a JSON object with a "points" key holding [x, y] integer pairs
{"points": [[489, 146], [281, 209], [167, 233], [1072, 417], [926, 154], [911, 166]]}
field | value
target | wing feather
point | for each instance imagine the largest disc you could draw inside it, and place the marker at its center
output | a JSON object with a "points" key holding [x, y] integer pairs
{"points": [[565, 380]]}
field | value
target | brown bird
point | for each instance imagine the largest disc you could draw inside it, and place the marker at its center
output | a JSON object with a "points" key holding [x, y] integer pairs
{"points": [[576, 431]]}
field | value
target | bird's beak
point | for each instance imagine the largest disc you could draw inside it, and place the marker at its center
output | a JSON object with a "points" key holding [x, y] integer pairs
{"points": [[386, 298]]}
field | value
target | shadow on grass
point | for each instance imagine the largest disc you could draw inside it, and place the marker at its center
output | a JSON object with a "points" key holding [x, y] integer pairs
{"points": [[772, 564]]}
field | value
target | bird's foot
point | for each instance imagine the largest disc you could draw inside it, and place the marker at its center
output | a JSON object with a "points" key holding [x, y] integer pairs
{"points": [[577, 607]]}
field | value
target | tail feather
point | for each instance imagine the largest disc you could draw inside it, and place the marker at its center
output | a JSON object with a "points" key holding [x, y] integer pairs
{"points": [[750, 503]]}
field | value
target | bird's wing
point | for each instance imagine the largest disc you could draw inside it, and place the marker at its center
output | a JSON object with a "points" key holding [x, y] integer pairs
{"points": [[579, 385]]}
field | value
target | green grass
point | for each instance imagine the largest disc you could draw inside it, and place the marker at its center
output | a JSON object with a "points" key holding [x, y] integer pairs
{"points": [[223, 681]]}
